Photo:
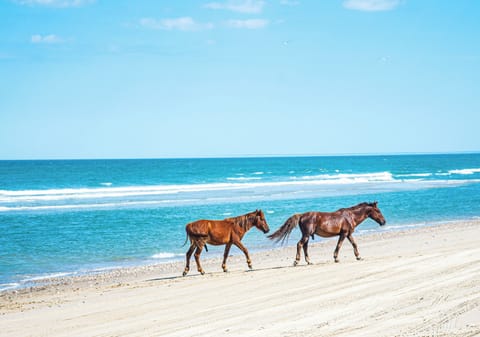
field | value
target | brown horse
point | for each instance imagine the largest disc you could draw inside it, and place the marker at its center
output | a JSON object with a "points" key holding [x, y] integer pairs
{"points": [[327, 224], [222, 232]]}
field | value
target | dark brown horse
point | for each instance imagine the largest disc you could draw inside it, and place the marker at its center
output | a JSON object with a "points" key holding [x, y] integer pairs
{"points": [[327, 224], [222, 232]]}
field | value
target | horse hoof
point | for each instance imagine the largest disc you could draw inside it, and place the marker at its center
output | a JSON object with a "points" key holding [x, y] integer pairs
{"points": [[225, 270], [309, 263], [295, 263], [337, 261], [359, 258], [250, 267], [184, 273]]}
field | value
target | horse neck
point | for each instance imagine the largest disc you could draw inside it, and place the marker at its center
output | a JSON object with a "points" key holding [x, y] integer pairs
{"points": [[359, 215], [243, 223]]}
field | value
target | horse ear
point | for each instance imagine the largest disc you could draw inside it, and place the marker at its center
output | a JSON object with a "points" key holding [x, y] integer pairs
{"points": [[375, 203]]}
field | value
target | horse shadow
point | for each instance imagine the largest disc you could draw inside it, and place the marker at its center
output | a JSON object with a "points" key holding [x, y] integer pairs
{"points": [[217, 273]]}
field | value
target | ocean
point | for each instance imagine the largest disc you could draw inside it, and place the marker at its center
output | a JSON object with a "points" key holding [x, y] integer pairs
{"points": [[71, 217]]}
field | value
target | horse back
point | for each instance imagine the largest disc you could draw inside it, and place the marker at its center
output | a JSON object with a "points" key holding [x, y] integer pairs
{"points": [[198, 228], [325, 224], [207, 227]]}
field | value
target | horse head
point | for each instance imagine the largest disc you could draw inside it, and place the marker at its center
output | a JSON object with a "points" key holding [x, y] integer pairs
{"points": [[375, 214], [260, 221]]}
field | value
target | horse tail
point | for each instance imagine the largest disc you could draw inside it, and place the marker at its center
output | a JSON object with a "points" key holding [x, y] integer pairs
{"points": [[283, 232], [186, 234]]}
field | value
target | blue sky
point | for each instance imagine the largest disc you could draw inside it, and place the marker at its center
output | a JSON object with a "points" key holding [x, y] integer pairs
{"points": [[151, 79]]}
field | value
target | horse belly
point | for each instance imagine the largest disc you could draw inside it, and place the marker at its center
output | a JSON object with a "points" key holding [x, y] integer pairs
{"points": [[324, 233], [219, 236]]}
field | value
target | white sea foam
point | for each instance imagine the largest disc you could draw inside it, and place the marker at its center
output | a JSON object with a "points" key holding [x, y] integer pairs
{"points": [[465, 171], [106, 184], [96, 205], [243, 178], [98, 193], [315, 185], [9, 286], [7, 196], [46, 277], [350, 178], [165, 255], [415, 175]]}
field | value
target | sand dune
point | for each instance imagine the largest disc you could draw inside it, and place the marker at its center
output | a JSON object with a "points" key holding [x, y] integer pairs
{"points": [[421, 282]]}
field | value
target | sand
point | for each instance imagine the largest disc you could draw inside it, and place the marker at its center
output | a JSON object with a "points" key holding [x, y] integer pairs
{"points": [[418, 282]]}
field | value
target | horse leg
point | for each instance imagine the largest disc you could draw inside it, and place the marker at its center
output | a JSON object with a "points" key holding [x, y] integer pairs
{"points": [[197, 257], [354, 244], [245, 251], [305, 240], [297, 257], [339, 244], [225, 255], [300, 244], [188, 256]]}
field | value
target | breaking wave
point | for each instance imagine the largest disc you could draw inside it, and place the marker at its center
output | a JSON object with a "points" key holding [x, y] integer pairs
{"points": [[232, 191]]}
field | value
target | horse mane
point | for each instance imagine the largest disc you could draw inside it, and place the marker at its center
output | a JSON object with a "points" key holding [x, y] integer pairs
{"points": [[241, 220], [362, 204]]}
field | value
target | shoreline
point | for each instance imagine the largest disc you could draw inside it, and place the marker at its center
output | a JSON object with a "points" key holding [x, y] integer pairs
{"points": [[45, 280], [56, 279], [415, 282]]}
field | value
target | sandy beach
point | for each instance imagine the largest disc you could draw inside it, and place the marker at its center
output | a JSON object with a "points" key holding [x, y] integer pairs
{"points": [[417, 282]]}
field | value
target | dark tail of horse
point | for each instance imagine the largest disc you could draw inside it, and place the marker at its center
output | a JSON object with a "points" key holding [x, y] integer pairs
{"points": [[186, 239], [283, 232]]}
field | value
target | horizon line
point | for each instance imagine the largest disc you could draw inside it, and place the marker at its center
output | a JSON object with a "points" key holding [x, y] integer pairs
{"points": [[255, 156]]}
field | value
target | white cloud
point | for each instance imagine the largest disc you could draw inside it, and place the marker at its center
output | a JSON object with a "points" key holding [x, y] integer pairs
{"points": [[248, 24], [55, 3], [183, 24], [49, 39], [371, 5], [384, 60], [240, 6]]}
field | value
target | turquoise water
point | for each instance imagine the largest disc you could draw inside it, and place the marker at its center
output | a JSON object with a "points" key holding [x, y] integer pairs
{"points": [[70, 217]]}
